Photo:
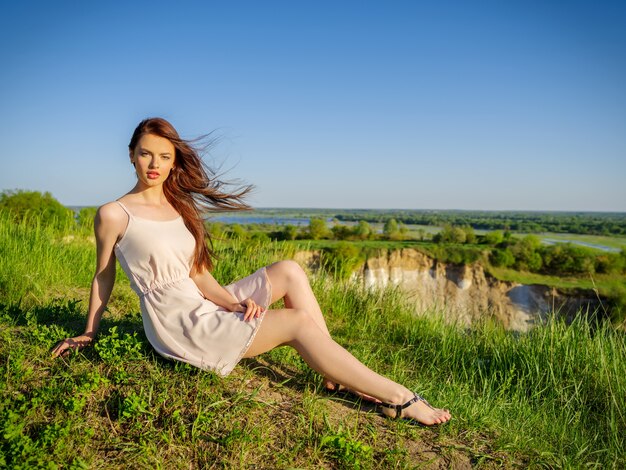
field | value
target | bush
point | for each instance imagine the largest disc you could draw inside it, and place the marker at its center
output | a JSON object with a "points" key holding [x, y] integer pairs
{"points": [[342, 259], [493, 238], [22, 204], [318, 229], [569, 259], [452, 234], [289, 232], [502, 258]]}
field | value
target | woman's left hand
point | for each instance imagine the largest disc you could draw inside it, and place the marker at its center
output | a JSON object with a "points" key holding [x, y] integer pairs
{"points": [[249, 308]]}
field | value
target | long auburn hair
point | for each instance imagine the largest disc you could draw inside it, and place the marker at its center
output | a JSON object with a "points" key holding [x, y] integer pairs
{"points": [[192, 188]]}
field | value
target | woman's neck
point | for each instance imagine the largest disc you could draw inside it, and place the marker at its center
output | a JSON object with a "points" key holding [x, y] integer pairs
{"points": [[149, 196]]}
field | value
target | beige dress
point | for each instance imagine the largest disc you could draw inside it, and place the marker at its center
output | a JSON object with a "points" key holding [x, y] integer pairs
{"points": [[179, 322]]}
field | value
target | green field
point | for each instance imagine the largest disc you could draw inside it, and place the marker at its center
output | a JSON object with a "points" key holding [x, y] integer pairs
{"points": [[554, 397], [617, 242]]}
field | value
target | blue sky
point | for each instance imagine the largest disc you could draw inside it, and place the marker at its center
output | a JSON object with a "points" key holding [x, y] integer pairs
{"points": [[444, 105]]}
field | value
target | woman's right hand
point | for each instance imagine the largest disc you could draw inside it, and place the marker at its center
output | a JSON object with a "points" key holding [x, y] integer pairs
{"points": [[63, 347]]}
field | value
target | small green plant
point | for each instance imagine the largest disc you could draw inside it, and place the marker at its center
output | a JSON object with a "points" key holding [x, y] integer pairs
{"points": [[114, 348], [133, 406], [349, 452]]}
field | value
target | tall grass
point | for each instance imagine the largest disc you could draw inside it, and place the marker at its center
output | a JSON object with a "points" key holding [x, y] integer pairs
{"points": [[35, 258], [553, 397]]}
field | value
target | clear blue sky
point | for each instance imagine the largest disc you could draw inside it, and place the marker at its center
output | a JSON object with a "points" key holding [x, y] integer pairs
{"points": [[467, 105]]}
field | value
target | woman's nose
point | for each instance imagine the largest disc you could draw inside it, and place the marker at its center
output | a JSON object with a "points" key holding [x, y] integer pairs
{"points": [[154, 163]]}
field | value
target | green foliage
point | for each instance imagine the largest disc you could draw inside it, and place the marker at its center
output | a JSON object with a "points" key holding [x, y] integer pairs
{"points": [[237, 231], [452, 234], [350, 453], [33, 204], [115, 349], [290, 232], [342, 259], [569, 259], [341, 232], [318, 229], [216, 230], [456, 254], [391, 229], [132, 406], [363, 231], [502, 258], [493, 238], [86, 217], [535, 222]]}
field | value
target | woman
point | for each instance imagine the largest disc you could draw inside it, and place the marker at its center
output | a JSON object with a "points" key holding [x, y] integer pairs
{"points": [[157, 234]]}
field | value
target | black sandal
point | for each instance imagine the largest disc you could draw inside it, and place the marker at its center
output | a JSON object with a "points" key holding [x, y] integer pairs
{"points": [[399, 408]]}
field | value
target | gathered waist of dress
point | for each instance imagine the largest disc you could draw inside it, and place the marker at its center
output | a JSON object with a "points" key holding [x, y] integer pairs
{"points": [[157, 285]]}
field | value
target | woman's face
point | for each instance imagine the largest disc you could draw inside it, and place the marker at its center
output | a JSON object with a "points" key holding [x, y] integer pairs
{"points": [[153, 158]]}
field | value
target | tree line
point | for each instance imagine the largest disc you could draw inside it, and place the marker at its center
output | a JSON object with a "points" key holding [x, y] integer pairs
{"points": [[591, 223]]}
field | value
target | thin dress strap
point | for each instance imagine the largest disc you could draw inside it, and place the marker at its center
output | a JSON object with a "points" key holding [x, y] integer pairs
{"points": [[130, 216]]}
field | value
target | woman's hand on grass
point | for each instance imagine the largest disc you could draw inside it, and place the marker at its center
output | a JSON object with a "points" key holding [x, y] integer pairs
{"points": [[63, 347], [249, 308]]}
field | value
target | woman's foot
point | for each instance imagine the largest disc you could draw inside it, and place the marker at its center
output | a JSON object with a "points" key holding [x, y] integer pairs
{"points": [[417, 409], [335, 387]]}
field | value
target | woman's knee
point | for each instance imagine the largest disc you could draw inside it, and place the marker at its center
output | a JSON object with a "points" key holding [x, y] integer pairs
{"points": [[291, 270]]}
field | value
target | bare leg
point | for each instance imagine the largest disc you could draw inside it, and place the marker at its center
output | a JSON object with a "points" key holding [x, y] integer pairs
{"points": [[296, 328], [289, 281]]}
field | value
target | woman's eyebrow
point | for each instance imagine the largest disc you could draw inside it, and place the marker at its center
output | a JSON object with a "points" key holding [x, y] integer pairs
{"points": [[142, 149]]}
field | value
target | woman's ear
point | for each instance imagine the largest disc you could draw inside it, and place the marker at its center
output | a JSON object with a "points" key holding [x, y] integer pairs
{"points": [[130, 155]]}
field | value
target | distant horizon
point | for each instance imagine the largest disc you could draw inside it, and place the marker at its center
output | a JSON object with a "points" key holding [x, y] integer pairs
{"points": [[73, 207]]}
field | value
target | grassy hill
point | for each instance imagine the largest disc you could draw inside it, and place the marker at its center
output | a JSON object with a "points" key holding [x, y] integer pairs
{"points": [[553, 397]]}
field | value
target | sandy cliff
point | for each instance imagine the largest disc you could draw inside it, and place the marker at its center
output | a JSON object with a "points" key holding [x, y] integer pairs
{"points": [[465, 293]]}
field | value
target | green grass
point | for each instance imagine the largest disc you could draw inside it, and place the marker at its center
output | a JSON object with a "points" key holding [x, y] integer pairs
{"points": [[555, 397]]}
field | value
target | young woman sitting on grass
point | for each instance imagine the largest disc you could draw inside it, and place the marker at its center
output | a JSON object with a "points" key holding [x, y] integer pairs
{"points": [[157, 233]]}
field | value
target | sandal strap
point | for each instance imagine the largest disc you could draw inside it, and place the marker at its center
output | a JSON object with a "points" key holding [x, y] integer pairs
{"points": [[399, 408]]}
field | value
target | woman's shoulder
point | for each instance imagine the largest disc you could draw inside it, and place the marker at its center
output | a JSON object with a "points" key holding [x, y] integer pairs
{"points": [[111, 213], [110, 209]]}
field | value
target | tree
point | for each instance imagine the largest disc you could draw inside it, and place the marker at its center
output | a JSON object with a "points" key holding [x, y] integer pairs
{"points": [[318, 228], [526, 255], [22, 204], [502, 258], [363, 230], [290, 232], [341, 232], [391, 229], [470, 236], [450, 234], [494, 238]]}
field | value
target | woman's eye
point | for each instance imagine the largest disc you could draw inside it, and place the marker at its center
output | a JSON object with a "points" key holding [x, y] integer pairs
{"points": [[165, 157]]}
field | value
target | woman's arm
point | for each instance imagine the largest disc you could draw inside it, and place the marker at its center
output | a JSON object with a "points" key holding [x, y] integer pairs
{"points": [[214, 292], [109, 224]]}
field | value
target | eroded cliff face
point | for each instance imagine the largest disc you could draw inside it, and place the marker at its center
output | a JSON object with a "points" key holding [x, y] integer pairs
{"points": [[464, 293]]}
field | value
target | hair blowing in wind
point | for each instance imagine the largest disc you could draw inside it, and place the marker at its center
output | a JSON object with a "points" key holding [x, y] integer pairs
{"points": [[192, 188]]}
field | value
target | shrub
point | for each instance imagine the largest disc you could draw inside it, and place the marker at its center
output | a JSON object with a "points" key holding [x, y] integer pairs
{"points": [[22, 204], [342, 259], [493, 238], [502, 258], [318, 228]]}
